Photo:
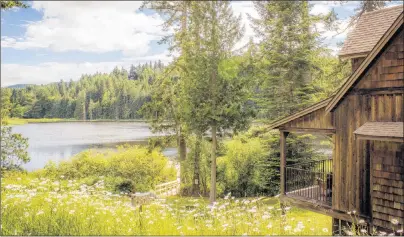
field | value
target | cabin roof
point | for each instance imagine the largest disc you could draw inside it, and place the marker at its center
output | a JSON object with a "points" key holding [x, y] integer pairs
{"points": [[370, 27], [381, 130], [299, 114], [395, 27]]}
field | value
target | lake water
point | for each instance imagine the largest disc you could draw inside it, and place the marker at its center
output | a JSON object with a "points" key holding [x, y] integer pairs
{"points": [[58, 141]]}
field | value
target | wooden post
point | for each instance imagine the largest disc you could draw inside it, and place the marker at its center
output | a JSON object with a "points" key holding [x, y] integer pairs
{"points": [[283, 160]]}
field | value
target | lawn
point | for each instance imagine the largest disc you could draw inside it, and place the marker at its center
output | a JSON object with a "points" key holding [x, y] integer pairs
{"points": [[40, 206]]}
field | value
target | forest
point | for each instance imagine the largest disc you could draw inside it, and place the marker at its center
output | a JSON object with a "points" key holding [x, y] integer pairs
{"points": [[117, 95]]}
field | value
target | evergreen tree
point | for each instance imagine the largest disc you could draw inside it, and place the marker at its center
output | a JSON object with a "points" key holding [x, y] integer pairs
{"points": [[80, 109], [176, 13], [215, 92], [132, 73], [286, 52]]}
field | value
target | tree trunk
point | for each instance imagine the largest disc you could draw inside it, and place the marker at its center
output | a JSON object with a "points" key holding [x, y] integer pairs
{"points": [[182, 145], [84, 109], [182, 150], [212, 196], [197, 155]]}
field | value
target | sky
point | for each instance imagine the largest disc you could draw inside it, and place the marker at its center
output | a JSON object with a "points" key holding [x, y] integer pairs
{"points": [[61, 40]]}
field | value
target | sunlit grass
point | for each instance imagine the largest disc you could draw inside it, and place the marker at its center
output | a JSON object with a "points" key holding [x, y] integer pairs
{"points": [[21, 121], [40, 206]]}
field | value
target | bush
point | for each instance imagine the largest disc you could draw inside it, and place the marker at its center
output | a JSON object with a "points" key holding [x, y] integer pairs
{"points": [[126, 186], [129, 167], [250, 162], [13, 149], [242, 169]]}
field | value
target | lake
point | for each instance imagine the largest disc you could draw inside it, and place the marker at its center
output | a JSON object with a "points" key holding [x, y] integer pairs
{"points": [[58, 141]]}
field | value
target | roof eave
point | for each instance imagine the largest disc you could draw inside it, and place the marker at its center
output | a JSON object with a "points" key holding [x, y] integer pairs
{"points": [[353, 55], [314, 107]]}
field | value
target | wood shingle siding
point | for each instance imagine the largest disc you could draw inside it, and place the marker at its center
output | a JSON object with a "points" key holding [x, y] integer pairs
{"points": [[388, 183], [388, 70]]}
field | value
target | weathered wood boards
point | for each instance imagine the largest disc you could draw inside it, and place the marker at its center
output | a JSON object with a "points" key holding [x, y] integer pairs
{"points": [[388, 183], [382, 105]]}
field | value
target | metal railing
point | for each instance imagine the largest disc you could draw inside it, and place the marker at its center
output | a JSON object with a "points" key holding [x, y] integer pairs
{"points": [[310, 180]]}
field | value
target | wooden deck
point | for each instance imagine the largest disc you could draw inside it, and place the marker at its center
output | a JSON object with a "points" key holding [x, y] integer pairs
{"points": [[312, 193]]}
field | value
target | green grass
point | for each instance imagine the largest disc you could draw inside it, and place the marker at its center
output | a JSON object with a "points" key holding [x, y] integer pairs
{"points": [[40, 206], [21, 121]]}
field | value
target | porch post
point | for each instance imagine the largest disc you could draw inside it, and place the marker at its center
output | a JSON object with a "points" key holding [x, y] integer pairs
{"points": [[283, 160]]}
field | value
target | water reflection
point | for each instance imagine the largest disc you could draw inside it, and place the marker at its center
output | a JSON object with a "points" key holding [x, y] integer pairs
{"points": [[58, 141]]}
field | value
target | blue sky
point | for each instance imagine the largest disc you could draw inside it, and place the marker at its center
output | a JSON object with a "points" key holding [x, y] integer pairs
{"points": [[54, 40]]}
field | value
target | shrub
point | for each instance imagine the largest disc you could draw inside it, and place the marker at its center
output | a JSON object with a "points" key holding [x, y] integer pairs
{"points": [[250, 161], [130, 164], [242, 169], [126, 186]]}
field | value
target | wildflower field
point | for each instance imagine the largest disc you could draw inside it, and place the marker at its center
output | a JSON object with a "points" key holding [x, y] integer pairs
{"points": [[41, 206]]}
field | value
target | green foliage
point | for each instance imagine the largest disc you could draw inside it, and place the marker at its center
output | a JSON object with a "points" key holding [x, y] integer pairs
{"points": [[5, 104], [12, 4], [242, 170], [98, 96], [249, 165], [129, 168], [126, 186], [13, 149], [292, 64]]}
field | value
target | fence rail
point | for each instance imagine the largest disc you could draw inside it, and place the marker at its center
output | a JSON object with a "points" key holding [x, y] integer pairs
{"points": [[167, 189], [310, 180]]}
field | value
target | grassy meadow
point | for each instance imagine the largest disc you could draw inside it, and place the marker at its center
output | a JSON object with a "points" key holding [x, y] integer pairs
{"points": [[40, 206]]}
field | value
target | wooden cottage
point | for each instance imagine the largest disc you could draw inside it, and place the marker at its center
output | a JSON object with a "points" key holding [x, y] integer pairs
{"points": [[365, 120]]}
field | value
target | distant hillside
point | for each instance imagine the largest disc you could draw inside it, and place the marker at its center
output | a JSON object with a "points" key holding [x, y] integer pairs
{"points": [[19, 86], [117, 95]]}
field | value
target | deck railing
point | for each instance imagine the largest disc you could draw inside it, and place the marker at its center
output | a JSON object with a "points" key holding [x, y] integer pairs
{"points": [[310, 180]]}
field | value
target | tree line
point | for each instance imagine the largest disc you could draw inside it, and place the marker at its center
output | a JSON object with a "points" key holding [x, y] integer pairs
{"points": [[117, 95]]}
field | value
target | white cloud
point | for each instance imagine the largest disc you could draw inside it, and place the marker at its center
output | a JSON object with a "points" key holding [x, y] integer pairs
{"points": [[320, 8], [44, 73], [98, 27], [104, 27], [243, 8]]}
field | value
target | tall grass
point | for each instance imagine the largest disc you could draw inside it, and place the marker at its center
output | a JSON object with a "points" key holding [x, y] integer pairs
{"points": [[40, 206]]}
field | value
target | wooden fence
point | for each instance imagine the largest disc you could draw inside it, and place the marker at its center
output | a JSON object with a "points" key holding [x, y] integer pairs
{"points": [[167, 189]]}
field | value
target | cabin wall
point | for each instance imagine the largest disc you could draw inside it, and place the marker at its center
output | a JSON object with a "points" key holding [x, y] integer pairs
{"points": [[387, 183], [316, 119], [388, 70], [355, 62], [378, 96]]}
